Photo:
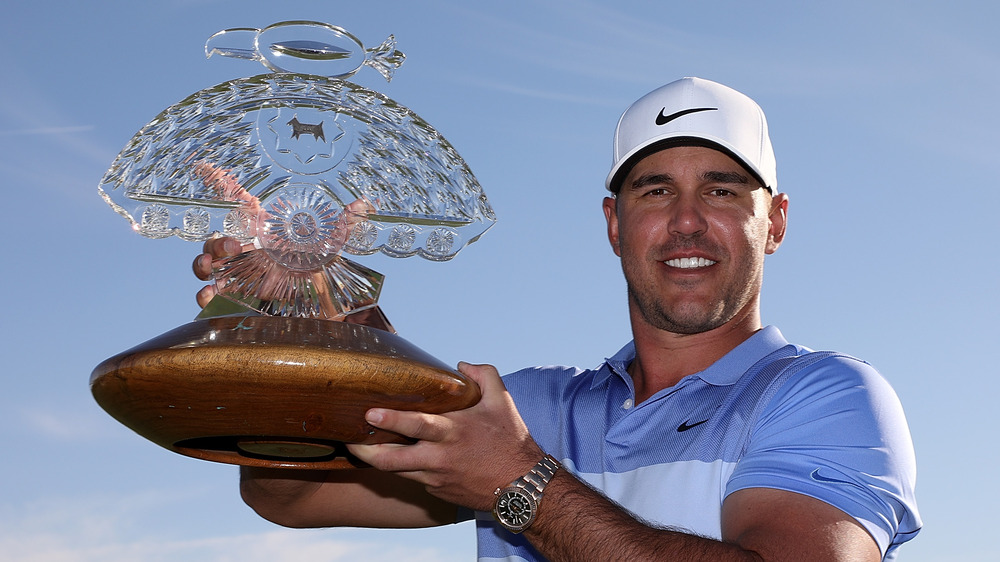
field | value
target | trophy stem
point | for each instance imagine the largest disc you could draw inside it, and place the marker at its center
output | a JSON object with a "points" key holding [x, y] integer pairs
{"points": [[332, 291]]}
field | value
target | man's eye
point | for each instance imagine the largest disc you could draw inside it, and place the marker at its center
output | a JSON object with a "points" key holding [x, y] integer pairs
{"points": [[721, 192], [656, 192]]}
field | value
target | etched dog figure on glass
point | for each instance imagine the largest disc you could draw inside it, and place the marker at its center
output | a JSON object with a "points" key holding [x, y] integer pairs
{"points": [[306, 129]]}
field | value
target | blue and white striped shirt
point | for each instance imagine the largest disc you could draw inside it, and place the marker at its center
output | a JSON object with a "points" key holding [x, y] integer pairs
{"points": [[767, 414]]}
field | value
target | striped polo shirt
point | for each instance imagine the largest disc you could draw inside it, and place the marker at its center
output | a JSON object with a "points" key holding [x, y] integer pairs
{"points": [[767, 414]]}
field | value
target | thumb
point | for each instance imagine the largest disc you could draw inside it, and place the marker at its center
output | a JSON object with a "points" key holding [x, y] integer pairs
{"points": [[486, 376]]}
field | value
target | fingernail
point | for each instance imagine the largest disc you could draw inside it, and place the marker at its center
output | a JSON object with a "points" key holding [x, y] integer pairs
{"points": [[374, 416]]}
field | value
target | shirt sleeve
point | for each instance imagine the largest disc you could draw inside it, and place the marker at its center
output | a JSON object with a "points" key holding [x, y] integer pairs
{"points": [[835, 431]]}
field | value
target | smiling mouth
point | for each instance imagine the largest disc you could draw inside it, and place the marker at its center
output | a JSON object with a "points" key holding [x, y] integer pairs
{"points": [[689, 263]]}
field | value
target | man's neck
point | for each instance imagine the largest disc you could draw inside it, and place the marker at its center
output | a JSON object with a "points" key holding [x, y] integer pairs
{"points": [[663, 358]]}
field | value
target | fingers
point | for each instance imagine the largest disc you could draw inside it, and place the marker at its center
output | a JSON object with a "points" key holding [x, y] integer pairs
{"points": [[215, 248], [202, 266], [388, 457], [358, 210], [416, 425], [205, 295], [394, 457], [222, 247], [432, 427]]}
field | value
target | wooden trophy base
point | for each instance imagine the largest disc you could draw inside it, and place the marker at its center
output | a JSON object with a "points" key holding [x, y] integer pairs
{"points": [[271, 391]]}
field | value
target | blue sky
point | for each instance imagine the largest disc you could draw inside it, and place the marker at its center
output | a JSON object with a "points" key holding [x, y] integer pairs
{"points": [[883, 117]]}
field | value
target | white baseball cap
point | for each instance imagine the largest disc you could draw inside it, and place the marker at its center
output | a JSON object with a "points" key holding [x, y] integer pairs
{"points": [[694, 111]]}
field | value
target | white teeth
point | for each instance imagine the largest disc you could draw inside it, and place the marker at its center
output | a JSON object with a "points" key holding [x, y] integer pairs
{"points": [[689, 263]]}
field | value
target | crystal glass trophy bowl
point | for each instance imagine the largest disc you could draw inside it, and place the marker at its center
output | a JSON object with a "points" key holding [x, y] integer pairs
{"points": [[302, 167]]}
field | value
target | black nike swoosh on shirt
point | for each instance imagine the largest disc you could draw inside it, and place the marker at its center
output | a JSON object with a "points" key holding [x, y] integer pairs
{"points": [[662, 119], [815, 475], [686, 426]]}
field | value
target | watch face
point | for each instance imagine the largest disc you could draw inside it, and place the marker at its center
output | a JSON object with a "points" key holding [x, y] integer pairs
{"points": [[515, 509]]}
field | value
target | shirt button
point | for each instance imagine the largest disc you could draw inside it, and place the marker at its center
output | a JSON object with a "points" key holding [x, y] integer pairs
{"points": [[627, 404]]}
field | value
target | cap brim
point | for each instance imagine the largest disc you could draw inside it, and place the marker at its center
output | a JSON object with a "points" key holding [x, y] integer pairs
{"points": [[624, 165]]}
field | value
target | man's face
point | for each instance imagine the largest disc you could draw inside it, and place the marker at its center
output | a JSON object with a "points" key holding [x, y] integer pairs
{"points": [[692, 226]]}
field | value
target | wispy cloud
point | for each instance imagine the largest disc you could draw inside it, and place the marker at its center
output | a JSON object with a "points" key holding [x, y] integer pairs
{"points": [[61, 425], [112, 530], [551, 95], [58, 546], [47, 131], [36, 119]]}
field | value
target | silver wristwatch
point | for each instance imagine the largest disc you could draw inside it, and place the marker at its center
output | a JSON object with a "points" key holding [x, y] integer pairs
{"points": [[517, 505]]}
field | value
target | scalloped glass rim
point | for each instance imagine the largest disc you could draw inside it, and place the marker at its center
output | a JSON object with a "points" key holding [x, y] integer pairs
{"points": [[425, 200]]}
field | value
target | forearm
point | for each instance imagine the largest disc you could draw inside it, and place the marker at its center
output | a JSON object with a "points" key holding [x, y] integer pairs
{"points": [[279, 495], [335, 498], [575, 523]]}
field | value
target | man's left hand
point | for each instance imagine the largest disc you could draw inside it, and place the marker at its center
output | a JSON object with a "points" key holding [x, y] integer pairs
{"points": [[460, 456]]}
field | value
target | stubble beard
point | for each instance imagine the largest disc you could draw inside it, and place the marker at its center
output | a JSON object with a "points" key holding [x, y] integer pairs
{"points": [[692, 316]]}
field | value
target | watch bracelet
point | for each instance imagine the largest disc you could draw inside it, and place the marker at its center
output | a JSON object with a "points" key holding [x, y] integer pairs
{"points": [[539, 475]]}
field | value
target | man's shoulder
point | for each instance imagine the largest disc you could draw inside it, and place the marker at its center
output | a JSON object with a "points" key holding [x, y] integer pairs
{"points": [[790, 360], [841, 371], [798, 374], [563, 374], [547, 376], [544, 386], [809, 367], [814, 383]]}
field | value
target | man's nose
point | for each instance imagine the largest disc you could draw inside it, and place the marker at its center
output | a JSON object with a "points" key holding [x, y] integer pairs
{"points": [[688, 216]]}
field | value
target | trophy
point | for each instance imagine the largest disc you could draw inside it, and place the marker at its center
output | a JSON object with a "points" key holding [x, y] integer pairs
{"points": [[301, 166]]}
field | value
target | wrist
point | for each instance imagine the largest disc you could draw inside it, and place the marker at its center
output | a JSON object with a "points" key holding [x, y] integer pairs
{"points": [[516, 505]]}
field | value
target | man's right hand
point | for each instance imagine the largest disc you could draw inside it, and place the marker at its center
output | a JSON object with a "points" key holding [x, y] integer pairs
{"points": [[215, 248]]}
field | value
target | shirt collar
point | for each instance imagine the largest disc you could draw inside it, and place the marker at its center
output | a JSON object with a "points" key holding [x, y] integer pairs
{"points": [[617, 363], [726, 370]]}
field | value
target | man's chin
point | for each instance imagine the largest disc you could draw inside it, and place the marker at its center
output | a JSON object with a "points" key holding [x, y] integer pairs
{"points": [[686, 322]]}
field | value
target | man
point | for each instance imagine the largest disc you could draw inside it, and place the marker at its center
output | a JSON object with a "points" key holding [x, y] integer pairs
{"points": [[709, 437]]}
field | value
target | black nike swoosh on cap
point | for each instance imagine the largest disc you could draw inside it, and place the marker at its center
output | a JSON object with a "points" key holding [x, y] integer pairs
{"points": [[686, 426], [662, 119]]}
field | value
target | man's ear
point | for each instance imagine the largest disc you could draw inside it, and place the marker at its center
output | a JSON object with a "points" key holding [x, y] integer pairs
{"points": [[779, 221], [611, 215]]}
